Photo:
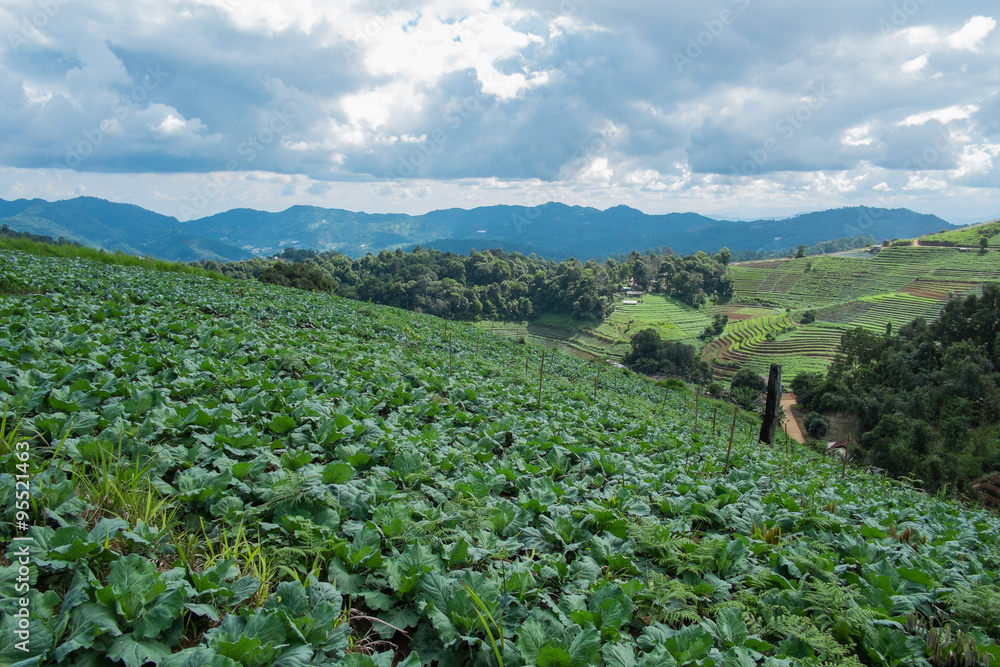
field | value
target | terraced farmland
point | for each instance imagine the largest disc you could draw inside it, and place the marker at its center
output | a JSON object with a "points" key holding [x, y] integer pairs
{"points": [[898, 285], [874, 313], [968, 237], [742, 337], [672, 320], [574, 338], [821, 281]]}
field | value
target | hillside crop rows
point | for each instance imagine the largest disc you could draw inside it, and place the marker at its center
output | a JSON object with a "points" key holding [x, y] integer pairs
{"points": [[968, 237], [874, 313], [670, 319], [898, 285], [815, 282], [772, 339], [575, 339], [228, 473], [806, 348]]}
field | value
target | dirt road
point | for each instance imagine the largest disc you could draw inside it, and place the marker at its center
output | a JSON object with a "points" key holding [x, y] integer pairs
{"points": [[794, 432]]}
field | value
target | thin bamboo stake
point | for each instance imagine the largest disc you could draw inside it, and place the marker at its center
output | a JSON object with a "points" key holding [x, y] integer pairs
{"points": [[847, 452], [732, 432], [541, 377], [697, 393]]}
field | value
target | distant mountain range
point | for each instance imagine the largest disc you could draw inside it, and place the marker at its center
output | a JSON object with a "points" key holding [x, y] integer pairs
{"points": [[555, 231], [103, 224]]}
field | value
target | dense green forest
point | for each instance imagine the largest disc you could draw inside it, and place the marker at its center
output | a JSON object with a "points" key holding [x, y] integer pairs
{"points": [[490, 283], [926, 398]]}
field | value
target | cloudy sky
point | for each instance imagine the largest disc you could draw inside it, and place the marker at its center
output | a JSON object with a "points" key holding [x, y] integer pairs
{"points": [[735, 108]]}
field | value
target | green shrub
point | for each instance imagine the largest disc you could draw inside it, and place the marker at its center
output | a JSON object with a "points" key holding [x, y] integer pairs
{"points": [[816, 425], [746, 377]]}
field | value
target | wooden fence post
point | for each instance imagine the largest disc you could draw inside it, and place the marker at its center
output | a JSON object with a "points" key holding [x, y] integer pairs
{"points": [[732, 432], [697, 393], [541, 376], [770, 424], [847, 452]]}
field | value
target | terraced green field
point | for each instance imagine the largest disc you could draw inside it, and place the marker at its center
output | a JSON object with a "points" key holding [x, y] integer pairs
{"points": [[610, 338], [821, 281], [761, 341], [570, 335], [968, 237], [671, 319], [897, 286]]}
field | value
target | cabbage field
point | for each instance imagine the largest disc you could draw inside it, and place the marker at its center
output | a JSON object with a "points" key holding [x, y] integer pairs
{"points": [[201, 472]]}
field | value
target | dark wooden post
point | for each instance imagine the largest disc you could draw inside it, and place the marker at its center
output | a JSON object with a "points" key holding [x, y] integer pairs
{"points": [[770, 424]]}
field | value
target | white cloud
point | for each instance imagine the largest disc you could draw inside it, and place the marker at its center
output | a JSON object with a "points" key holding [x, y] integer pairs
{"points": [[972, 34], [977, 160], [171, 125], [915, 65], [945, 115], [858, 136], [486, 98], [373, 108]]}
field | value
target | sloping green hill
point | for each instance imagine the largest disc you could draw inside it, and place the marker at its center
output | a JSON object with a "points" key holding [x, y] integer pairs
{"points": [[227, 473], [111, 226]]}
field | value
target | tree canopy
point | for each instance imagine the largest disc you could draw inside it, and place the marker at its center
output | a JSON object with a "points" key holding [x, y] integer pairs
{"points": [[927, 399]]}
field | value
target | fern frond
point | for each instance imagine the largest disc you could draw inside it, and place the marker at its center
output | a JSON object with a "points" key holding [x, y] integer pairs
{"points": [[822, 643]]}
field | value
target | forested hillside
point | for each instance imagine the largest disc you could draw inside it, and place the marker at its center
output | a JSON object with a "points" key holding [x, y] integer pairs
{"points": [[926, 397], [490, 283]]}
